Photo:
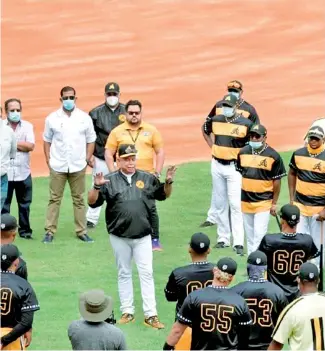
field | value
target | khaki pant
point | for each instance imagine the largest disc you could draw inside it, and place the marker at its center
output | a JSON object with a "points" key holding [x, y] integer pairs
{"points": [[18, 344], [77, 183]]}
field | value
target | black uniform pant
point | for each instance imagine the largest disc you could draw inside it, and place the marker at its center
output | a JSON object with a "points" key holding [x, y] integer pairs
{"points": [[24, 192], [154, 219]]}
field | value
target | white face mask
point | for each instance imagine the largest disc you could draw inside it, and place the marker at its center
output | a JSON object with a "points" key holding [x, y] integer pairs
{"points": [[234, 93], [112, 100], [228, 111]]}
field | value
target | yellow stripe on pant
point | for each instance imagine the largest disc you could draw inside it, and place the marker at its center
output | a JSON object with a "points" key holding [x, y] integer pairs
{"points": [[18, 344], [185, 341]]}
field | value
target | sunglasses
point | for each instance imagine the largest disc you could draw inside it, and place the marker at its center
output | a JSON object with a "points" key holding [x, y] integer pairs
{"points": [[68, 97], [15, 110], [133, 113]]}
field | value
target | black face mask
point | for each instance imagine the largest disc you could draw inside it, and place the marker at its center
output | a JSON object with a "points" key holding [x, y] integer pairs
{"points": [[111, 319]]}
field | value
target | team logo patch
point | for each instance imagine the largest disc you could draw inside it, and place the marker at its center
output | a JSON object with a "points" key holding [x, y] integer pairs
{"points": [[293, 217], [235, 131], [311, 275], [3, 225], [258, 260], [122, 118], [263, 163], [4, 257], [202, 245], [256, 127], [111, 86], [139, 184], [146, 133], [224, 267], [227, 98]]}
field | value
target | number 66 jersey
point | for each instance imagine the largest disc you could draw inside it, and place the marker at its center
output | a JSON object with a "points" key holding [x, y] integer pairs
{"points": [[285, 254]]}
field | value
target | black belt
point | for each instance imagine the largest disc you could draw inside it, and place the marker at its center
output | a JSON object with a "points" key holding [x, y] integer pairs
{"points": [[223, 162]]}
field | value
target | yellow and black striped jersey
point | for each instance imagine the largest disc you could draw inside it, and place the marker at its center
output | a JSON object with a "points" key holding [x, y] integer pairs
{"points": [[229, 137], [310, 185], [258, 172]]}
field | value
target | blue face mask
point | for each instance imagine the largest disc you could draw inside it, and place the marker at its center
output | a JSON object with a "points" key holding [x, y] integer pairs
{"points": [[14, 116], [68, 104], [228, 111], [234, 93], [256, 144]]}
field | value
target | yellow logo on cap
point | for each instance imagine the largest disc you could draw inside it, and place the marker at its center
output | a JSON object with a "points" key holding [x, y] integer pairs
{"points": [[227, 98], [122, 118], [139, 184], [111, 86], [256, 127]]}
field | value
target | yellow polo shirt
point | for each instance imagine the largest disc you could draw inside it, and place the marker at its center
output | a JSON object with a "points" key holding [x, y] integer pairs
{"points": [[146, 139]]}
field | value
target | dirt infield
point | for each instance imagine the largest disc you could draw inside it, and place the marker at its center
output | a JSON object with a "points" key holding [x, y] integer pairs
{"points": [[174, 55]]}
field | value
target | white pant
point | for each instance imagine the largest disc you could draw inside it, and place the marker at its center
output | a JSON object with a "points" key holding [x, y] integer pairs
{"points": [[255, 225], [99, 167], [141, 250], [226, 193], [309, 225]]}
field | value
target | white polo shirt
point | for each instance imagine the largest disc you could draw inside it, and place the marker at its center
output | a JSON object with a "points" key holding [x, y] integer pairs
{"points": [[69, 136], [8, 147]]}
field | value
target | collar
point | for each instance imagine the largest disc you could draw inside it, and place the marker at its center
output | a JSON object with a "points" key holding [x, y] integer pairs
{"points": [[7, 272], [257, 280], [126, 175], [218, 287], [289, 234], [260, 152], [200, 262], [127, 126], [8, 123], [315, 152]]}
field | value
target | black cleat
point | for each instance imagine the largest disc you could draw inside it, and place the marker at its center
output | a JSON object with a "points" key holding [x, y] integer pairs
{"points": [[206, 224], [85, 238]]}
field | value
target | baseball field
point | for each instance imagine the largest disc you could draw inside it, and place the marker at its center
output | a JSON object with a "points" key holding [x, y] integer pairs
{"points": [[176, 57]]}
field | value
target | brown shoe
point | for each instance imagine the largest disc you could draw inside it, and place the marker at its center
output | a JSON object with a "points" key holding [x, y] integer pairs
{"points": [[126, 318], [154, 322]]}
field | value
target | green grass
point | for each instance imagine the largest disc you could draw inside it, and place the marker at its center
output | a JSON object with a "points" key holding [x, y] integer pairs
{"points": [[61, 271]]}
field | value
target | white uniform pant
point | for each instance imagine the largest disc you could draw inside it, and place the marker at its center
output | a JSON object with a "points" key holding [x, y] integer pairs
{"points": [[141, 250], [256, 225], [309, 225], [94, 213], [226, 190]]}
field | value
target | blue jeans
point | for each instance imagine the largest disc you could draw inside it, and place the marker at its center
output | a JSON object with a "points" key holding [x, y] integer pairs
{"points": [[4, 189]]}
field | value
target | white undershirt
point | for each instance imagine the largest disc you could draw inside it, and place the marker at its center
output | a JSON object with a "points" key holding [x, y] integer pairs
{"points": [[128, 176]]}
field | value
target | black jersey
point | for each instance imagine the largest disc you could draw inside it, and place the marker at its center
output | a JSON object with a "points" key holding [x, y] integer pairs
{"points": [[22, 269], [17, 297], [215, 315], [265, 301], [183, 280], [285, 254]]}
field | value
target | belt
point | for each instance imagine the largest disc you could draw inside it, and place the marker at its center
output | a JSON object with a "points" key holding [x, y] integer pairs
{"points": [[224, 162]]}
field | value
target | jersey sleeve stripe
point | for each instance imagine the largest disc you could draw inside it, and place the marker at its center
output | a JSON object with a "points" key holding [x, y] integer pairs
{"points": [[317, 328]]}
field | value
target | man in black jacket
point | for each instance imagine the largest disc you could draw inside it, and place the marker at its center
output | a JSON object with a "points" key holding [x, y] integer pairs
{"points": [[105, 117], [129, 194]]}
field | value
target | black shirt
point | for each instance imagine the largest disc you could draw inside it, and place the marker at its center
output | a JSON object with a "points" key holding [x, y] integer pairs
{"points": [[22, 269], [105, 120], [129, 205], [216, 316], [183, 280], [265, 301], [285, 254]]}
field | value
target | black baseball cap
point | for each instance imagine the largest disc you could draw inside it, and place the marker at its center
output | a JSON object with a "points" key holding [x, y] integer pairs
{"points": [[258, 129], [126, 150], [112, 87], [8, 222], [308, 272], [9, 253], [316, 132], [200, 242], [229, 100], [235, 85], [227, 265], [257, 258], [290, 213]]}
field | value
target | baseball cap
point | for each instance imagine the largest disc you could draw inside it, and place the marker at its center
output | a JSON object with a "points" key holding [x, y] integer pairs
{"points": [[258, 129], [9, 253], [316, 132], [126, 150], [112, 87], [95, 306], [290, 213], [257, 258], [227, 265], [308, 271], [8, 222], [229, 100], [235, 84], [200, 242]]}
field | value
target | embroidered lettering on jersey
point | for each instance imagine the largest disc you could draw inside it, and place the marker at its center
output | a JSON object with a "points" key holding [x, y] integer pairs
{"points": [[235, 131], [318, 166], [263, 163]]}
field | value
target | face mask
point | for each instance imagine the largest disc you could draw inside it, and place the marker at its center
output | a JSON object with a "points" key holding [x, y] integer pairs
{"points": [[14, 116], [68, 104], [234, 93], [256, 144], [112, 100], [228, 111]]}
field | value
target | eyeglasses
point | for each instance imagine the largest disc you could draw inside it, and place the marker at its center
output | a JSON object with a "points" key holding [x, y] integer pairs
{"points": [[68, 97], [15, 110], [133, 113]]}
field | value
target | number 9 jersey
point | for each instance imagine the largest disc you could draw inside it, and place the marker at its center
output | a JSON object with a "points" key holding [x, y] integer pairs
{"points": [[285, 254], [219, 318]]}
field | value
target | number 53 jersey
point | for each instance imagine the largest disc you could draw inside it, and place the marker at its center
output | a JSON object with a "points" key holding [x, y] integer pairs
{"points": [[215, 315], [285, 254], [17, 297]]}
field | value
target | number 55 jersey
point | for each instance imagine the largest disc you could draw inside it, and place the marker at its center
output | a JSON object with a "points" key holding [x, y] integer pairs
{"points": [[285, 254]]}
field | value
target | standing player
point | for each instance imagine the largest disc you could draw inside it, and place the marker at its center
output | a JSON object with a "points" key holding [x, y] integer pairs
{"points": [[183, 280], [230, 131], [287, 251], [319, 122], [18, 301], [306, 180], [302, 322], [262, 169], [265, 300], [219, 318]]}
